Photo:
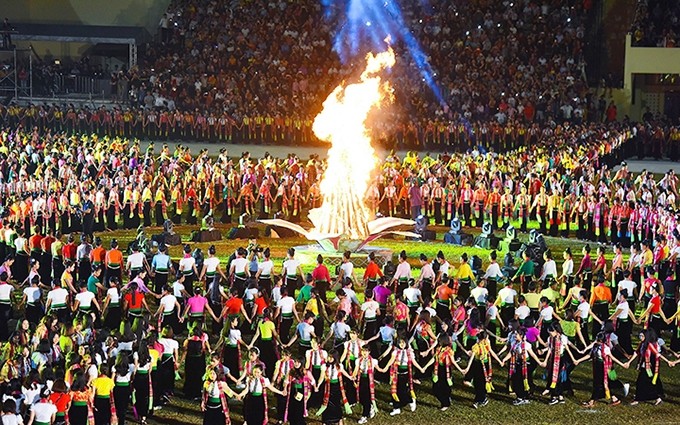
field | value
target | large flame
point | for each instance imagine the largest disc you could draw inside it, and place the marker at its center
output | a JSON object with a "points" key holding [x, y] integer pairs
{"points": [[351, 158]]}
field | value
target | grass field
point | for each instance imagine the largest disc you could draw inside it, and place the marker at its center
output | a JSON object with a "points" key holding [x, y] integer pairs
{"points": [[499, 410]]}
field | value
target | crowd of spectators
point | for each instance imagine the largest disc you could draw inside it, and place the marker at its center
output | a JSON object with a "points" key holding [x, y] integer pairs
{"points": [[656, 23], [515, 60], [494, 62]]}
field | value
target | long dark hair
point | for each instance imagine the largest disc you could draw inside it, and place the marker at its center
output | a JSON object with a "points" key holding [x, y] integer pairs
{"points": [[143, 356], [122, 365]]}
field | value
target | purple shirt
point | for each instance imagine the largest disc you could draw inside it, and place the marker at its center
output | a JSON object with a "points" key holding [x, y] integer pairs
{"points": [[6, 270], [415, 196], [381, 294], [140, 285], [532, 334]]}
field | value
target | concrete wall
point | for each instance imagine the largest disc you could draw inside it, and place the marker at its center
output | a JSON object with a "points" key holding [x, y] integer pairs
{"points": [[646, 60], [143, 13]]}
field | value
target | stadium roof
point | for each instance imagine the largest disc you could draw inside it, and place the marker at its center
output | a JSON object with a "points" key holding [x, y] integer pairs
{"points": [[81, 33]]}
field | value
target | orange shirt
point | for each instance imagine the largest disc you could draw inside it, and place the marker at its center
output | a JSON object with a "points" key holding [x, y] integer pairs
{"points": [[444, 293], [98, 254], [81, 396], [601, 293], [114, 257]]}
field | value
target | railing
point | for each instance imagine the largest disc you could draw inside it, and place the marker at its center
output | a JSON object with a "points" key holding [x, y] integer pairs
{"points": [[96, 87]]}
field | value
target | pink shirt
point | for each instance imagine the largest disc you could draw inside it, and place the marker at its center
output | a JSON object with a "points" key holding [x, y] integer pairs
{"points": [[197, 304], [403, 271], [346, 305]]}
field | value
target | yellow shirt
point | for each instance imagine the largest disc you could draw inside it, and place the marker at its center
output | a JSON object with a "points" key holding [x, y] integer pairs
{"points": [[155, 355], [532, 299], [56, 248], [103, 386], [313, 306], [66, 277], [267, 329], [465, 272]]}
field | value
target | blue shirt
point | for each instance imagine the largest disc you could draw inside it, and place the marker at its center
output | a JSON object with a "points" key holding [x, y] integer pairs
{"points": [[88, 207], [161, 262], [254, 265], [305, 330]]}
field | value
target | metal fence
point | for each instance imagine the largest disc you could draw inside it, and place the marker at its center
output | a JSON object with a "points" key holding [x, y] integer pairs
{"points": [[76, 84]]}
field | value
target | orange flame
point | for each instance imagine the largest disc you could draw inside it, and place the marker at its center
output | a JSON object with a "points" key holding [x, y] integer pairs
{"points": [[351, 158]]}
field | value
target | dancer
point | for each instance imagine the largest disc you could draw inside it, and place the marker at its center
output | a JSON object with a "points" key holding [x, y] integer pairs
{"points": [[648, 386], [334, 395], [401, 365], [481, 369], [214, 402], [255, 396], [442, 376], [518, 356], [298, 393]]}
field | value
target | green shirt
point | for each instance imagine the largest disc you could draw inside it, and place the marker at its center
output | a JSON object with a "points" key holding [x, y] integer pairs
{"points": [[526, 269], [532, 299], [92, 282], [569, 328], [305, 294], [550, 294]]}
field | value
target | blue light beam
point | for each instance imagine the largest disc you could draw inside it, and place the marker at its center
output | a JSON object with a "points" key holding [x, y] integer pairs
{"points": [[368, 23]]}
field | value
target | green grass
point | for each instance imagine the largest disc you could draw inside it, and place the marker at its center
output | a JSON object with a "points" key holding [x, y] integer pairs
{"points": [[499, 409]]}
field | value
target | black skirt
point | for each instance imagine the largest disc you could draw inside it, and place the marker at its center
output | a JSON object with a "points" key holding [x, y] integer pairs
{"points": [[403, 391], [645, 390], [166, 376], [316, 397], [333, 412], [102, 410], [295, 410], [121, 395], [478, 380], [441, 388], [253, 409], [20, 268], [77, 415], [213, 414], [231, 358], [111, 218], [675, 337], [268, 356], [141, 389], [34, 313], [195, 369], [113, 317]]}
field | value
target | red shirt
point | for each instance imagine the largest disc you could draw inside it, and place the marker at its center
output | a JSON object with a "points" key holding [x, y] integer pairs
{"points": [[321, 273], [261, 304], [46, 243], [60, 400], [34, 241], [372, 271], [134, 303], [233, 306], [655, 302], [69, 251]]}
